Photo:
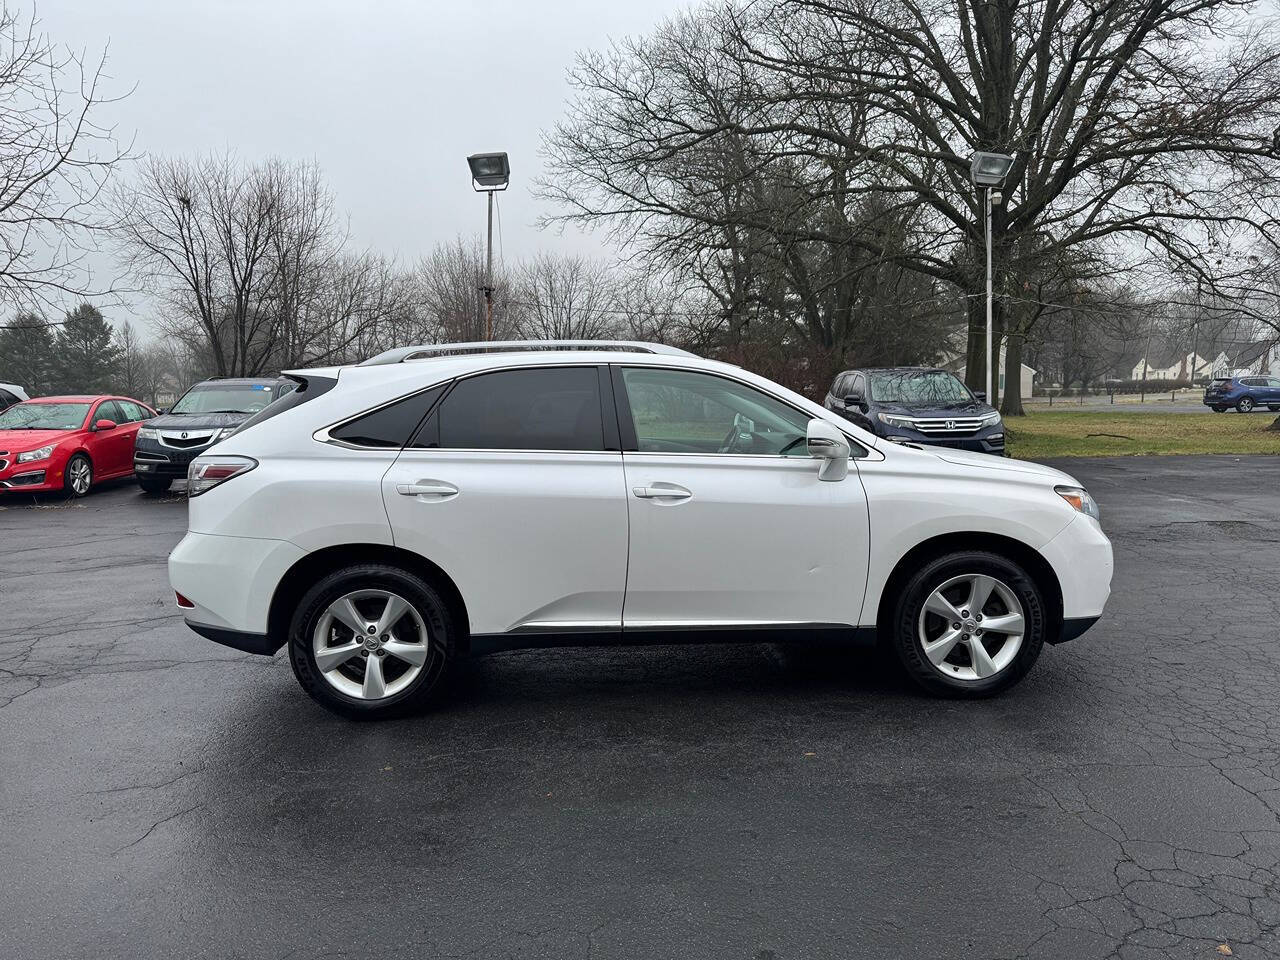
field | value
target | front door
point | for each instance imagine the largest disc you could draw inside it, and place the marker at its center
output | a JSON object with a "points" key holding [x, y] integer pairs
{"points": [[730, 525], [113, 449], [514, 486]]}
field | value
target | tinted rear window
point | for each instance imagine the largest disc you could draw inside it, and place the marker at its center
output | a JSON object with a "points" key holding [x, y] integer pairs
{"points": [[389, 427], [548, 408]]}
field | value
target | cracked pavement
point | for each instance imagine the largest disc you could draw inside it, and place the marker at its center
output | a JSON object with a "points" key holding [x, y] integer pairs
{"points": [[162, 796]]}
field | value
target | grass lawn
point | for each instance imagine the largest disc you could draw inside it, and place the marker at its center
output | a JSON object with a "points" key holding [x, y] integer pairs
{"points": [[1040, 435]]}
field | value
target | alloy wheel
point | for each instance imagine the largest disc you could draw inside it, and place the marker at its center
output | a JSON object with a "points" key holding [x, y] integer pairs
{"points": [[79, 474], [370, 644], [1245, 405], [971, 627]]}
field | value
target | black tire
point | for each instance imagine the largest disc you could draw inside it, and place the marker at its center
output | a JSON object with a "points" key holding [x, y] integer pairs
{"points": [[153, 484], [73, 465], [1273, 408], [906, 614], [1245, 405], [420, 594]]}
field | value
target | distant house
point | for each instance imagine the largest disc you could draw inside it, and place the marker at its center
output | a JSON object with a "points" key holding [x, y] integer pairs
{"points": [[957, 363], [1258, 357], [1172, 365]]}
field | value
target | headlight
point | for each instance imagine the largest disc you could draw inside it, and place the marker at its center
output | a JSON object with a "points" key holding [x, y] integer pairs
{"points": [[41, 454], [896, 421], [205, 473], [991, 419], [148, 433], [224, 433], [1079, 498]]}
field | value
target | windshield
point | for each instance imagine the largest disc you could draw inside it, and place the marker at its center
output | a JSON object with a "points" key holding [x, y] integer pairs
{"points": [[224, 398], [44, 416], [919, 386]]}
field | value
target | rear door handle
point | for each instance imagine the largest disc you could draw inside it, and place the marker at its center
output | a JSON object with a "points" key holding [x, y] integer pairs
{"points": [[670, 492], [427, 489]]}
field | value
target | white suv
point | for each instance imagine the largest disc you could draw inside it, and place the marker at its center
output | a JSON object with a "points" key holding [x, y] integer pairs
{"points": [[387, 518]]}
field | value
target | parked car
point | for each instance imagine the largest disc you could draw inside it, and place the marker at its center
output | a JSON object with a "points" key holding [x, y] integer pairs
{"points": [[432, 502], [68, 443], [1243, 393], [203, 415], [11, 393], [917, 405]]}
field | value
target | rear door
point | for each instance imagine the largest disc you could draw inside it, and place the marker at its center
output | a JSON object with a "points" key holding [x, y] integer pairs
{"points": [[514, 486], [730, 526]]}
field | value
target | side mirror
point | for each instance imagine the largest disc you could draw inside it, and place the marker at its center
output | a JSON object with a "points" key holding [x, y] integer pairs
{"points": [[855, 400], [980, 396], [826, 443], [162, 411], [104, 425]]}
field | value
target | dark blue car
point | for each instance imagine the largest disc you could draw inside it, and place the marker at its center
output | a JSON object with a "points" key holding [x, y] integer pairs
{"points": [[1244, 393], [917, 405]]}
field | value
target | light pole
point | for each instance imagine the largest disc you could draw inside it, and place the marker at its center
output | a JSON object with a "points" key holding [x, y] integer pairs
{"points": [[987, 171], [490, 172]]}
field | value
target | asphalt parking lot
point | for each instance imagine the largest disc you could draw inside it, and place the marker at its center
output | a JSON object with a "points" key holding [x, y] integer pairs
{"points": [[161, 796]]}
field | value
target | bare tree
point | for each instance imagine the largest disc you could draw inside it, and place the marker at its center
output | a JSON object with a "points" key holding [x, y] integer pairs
{"points": [[56, 158], [566, 298], [1138, 128], [251, 262], [446, 287]]}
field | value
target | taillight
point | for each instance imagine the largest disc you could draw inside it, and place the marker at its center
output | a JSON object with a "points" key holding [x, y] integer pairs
{"points": [[205, 473], [183, 601]]}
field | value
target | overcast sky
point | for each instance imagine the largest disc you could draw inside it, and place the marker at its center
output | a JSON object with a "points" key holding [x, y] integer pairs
{"points": [[389, 96]]}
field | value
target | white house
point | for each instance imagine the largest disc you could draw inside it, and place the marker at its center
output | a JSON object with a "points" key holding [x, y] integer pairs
{"points": [[1164, 366], [956, 363]]}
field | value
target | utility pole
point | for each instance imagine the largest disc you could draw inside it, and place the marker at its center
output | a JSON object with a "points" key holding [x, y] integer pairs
{"points": [[488, 276], [490, 172]]}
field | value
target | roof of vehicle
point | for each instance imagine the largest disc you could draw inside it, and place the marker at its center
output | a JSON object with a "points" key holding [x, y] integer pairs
{"points": [[75, 398], [239, 381], [893, 370], [435, 351]]}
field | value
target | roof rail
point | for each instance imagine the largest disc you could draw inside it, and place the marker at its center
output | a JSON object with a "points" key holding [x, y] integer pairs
{"points": [[429, 350]]}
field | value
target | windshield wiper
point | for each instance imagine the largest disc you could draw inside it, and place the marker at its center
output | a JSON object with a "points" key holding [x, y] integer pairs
{"points": [[226, 411]]}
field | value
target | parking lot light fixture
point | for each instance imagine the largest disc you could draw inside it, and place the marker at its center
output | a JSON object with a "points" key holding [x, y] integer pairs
{"points": [[988, 172], [490, 172]]}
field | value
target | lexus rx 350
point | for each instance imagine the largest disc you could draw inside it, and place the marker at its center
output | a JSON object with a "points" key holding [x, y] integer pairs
{"points": [[387, 518]]}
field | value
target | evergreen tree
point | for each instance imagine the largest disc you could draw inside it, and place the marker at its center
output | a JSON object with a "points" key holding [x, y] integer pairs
{"points": [[87, 355], [27, 354]]}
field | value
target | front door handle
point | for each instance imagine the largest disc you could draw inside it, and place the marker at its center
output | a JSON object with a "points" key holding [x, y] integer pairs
{"points": [[427, 489], [665, 492]]}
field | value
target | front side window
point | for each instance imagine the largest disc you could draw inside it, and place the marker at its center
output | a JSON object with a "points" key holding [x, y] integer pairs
{"points": [[545, 408], [109, 410], [683, 411], [918, 386], [217, 397], [44, 416]]}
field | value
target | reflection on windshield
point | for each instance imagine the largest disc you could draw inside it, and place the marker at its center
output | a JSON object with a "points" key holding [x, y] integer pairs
{"points": [[44, 416], [919, 386], [228, 398]]}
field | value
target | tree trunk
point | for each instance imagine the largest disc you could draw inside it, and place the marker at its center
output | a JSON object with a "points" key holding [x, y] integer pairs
{"points": [[1011, 403]]}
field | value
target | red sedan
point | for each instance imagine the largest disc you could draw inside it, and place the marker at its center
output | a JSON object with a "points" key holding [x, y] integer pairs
{"points": [[68, 443]]}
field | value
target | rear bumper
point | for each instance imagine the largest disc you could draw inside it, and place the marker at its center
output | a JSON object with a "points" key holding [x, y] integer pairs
{"points": [[230, 581], [237, 639]]}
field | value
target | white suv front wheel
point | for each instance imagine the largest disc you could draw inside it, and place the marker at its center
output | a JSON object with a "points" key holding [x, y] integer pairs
{"points": [[371, 641]]}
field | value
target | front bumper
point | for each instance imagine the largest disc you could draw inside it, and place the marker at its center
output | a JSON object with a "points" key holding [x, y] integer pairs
{"points": [[151, 458], [32, 476], [990, 440], [230, 582], [1082, 558]]}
